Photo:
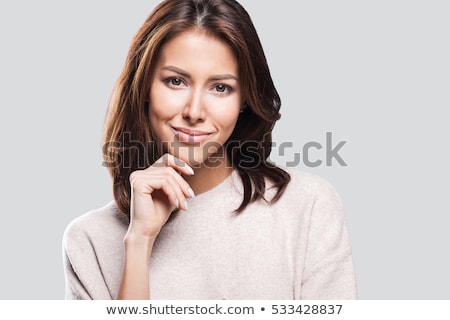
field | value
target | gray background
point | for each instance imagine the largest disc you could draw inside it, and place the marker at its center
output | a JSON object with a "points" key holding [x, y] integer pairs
{"points": [[376, 74]]}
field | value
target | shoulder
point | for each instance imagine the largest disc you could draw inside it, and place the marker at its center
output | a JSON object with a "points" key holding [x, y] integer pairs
{"points": [[309, 185], [92, 249], [99, 225], [308, 193]]}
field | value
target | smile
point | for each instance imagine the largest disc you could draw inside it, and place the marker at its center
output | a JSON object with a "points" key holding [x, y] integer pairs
{"points": [[190, 136]]}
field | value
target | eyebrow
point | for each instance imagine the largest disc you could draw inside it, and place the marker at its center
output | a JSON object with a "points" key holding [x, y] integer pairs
{"points": [[188, 76]]}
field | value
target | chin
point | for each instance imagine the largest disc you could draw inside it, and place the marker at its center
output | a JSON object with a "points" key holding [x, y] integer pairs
{"points": [[193, 158], [198, 158]]}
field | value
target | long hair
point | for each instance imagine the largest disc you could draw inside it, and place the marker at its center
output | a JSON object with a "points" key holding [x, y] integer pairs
{"points": [[128, 140]]}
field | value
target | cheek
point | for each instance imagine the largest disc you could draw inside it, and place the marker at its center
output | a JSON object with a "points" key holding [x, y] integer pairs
{"points": [[229, 122], [227, 115], [164, 103]]}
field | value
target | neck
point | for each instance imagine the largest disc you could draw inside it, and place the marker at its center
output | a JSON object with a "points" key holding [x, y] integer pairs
{"points": [[209, 175]]}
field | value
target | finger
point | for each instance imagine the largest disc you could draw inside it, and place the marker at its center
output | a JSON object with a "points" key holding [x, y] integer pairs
{"points": [[151, 179], [171, 164], [173, 193], [184, 186], [179, 190], [149, 183]]}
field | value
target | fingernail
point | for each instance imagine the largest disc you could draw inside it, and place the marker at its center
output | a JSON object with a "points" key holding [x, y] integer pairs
{"points": [[177, 203], [190, 170], [191, 192]]}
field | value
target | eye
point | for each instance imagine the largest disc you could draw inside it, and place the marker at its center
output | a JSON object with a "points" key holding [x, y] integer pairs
{"points": [[221, 88], [176, 82]]}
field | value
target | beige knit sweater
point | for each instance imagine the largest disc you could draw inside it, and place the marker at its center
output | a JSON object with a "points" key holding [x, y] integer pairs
{"points": [[297, 248]]}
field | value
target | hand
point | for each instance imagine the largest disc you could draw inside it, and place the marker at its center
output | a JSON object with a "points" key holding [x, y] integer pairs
{"points": [[155, 193]]}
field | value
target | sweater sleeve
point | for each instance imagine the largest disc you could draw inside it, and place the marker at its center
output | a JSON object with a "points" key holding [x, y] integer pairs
{"points": [[83, 273], [328, 271], [74, 288]]}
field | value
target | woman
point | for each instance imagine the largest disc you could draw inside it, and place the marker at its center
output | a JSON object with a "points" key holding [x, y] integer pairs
{"points": [[199, 212]]}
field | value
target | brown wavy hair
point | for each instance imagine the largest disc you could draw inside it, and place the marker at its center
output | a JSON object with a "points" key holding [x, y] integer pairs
{"points": [[128, 140]]}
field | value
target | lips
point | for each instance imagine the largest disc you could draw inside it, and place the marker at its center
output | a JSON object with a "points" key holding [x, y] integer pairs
{"points": [[190, 136]]}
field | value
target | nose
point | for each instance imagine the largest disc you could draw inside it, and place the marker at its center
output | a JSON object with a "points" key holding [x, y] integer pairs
{"points": [[194, 110]]}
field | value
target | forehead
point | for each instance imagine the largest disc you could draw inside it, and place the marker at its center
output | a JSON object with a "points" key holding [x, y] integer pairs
{"points": [[197, 50]]}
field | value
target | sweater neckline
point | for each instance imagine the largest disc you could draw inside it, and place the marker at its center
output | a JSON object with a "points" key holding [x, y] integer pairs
{"points": [[228, 182]]}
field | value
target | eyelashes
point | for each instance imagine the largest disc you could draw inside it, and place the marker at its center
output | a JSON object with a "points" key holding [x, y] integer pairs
{"points": [[222, 88], [178, 83], [174, 82]]}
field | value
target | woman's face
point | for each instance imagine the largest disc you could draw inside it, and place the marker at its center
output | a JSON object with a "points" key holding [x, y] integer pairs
{"points": [[195, 96]]}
